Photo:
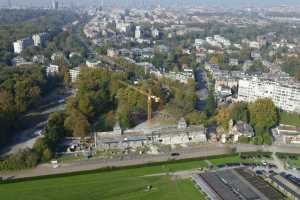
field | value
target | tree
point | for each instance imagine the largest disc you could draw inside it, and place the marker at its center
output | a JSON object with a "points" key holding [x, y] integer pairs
{"points": [[54, 130], [223, 117], [196, 118], [263, 114], [77, 124], [239, 112], [210, 104]]}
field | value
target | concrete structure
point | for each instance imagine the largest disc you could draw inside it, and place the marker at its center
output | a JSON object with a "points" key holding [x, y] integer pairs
{"points": [[52, 69], [227, 185], [93, 63], [286, 96], [138, 32], [55, 5], [20, 45], [180, 134], [155, 33], [222, 40], [288, 134], [20, 61], [74, 74], [39, 39]]}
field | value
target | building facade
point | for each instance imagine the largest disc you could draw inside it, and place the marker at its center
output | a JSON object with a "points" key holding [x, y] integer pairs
{"points": [[20, 45], [180, 134], [284, 95]]}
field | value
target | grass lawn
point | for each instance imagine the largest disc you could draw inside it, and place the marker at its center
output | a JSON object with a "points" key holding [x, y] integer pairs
{"points": [[234, 159], [294, 162], [289, 119], [127, 184]]}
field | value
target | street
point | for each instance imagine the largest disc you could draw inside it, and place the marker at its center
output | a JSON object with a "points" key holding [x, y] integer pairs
{"points": [[184, 153]]}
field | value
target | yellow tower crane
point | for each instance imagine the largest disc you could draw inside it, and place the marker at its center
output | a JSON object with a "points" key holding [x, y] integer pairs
{"points": [[149, 100]]}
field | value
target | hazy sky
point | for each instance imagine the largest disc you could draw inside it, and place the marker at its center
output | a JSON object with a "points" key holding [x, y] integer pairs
{"points": [[162, 2]]}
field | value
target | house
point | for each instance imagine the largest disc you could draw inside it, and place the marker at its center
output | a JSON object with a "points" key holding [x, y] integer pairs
{"points": [[239, 129], [288, 134]]}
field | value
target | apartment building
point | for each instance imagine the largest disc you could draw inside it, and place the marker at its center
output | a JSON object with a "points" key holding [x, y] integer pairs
{"points": [[286, 96], [20, 45]]}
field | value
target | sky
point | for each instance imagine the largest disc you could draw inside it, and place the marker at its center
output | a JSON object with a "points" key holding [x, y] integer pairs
{"points": [[228, 3]]}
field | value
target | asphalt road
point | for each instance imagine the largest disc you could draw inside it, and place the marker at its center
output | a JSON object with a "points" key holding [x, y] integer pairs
{"points": [[82, 165], [189, 152]]}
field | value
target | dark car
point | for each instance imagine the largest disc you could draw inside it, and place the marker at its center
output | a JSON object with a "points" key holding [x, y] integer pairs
{"points": [[175, 154]]}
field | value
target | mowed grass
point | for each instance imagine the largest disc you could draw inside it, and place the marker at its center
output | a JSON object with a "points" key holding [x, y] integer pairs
{"points": [[290, 119], [126, 184], [234, 159]]}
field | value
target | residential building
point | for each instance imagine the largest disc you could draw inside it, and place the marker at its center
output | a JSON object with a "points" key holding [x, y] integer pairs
{"points": [[287, 134], [74, 74], [20, 45], [52, 70], [138, 32], [286, 96], [155, 33], [93, 63], [39, 39]]}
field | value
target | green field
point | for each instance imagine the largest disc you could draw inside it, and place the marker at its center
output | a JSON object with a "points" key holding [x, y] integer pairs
{"points": [[126, 184], [289, 119]]}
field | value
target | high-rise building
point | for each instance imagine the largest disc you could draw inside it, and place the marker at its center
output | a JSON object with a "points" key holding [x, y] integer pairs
{"points": [[55, 4], [39, 39], [20, 45], [138, 32]]}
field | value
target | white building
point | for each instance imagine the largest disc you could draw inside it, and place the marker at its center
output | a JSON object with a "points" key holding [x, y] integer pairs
{"points": [[92, 63], [20, 45], [222, 40], [155, 33], [39, 39], [74, 74], [52, 69], [285, 96], [199, 43], [138, 32]]}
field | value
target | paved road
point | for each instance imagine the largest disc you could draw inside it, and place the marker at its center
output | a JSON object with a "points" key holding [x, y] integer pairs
{"points": [[45, 169], [26, 138], [189, 152]]}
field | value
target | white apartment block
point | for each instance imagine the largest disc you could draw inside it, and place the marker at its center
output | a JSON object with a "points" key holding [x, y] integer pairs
{"points": [[20, 45], [74, 74], [285, 96], [222, 40], [138, 32], [39, 39], [52, 69]]}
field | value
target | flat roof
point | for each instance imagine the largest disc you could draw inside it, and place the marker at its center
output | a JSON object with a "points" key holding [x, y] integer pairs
{"points": [[287, 185]]}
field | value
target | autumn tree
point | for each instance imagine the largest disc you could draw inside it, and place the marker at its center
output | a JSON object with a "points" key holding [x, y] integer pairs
{"points": [[263, 113], [223, 116], [239, 112], [77, 124]]}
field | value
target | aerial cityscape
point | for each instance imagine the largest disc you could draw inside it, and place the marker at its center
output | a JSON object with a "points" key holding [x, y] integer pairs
{"points": [[150, 99]]}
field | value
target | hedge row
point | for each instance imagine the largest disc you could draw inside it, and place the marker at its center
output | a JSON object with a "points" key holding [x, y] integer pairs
{"points": [[285, 155], [109, 169], [256, 154]]}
